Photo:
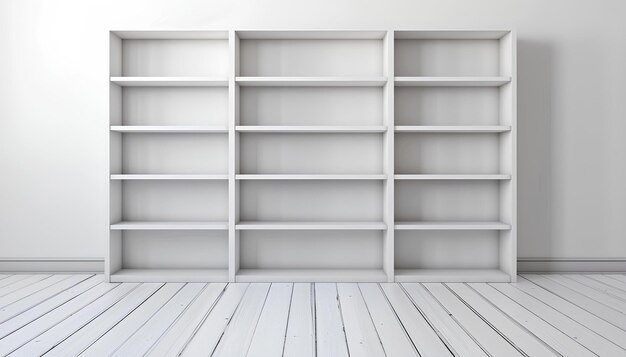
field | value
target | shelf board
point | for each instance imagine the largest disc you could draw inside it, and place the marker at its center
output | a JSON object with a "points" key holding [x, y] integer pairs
{"points": [[451, 177], [167, 177], [170, 276], [310, 35], [451, 226], [311, 129], [312, 81], [167, 129], [310, 275], [170, 81], [309, 177], [452, 129], [452, 275], [259, 225], [450, 34], [451, 81], [208, 225]]}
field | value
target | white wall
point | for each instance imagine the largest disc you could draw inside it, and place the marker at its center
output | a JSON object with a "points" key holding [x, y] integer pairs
{"points": [[53, 109]]}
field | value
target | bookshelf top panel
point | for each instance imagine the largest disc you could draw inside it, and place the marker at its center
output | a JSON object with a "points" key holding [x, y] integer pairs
{"points": [[171, 35]]}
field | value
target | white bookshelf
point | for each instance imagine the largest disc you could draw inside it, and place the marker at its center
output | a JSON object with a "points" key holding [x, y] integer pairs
{"points": [[312, 156]]}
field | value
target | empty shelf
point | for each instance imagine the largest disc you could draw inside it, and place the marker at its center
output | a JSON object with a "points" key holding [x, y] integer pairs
{"points": [[309, 177], [167, 129], [452, 275], [311, 226], [170, 81], [167, 177], [451, 81], [452, 177], [170, 276], [310, 275], [312, 81], [311, 129], [452, 129], [429, 226], [126, 226]]}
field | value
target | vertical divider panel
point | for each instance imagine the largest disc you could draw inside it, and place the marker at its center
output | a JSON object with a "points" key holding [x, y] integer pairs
{"points": [[113, 260], [388, 156], [233, 156], [508, 155]]}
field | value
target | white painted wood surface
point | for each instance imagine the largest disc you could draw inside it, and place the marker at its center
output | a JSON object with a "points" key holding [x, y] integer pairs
{"points": [[79, 315], [300, 337], [276, 122]]}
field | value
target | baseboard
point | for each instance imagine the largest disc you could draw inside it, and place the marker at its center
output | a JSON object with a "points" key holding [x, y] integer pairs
{"points": [[52, 265], [524, 265], [571, 265]]}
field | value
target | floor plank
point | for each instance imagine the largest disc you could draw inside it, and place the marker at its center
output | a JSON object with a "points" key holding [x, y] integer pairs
{"points": [[22, 283], [63, 329], [540, 328], [584, 317], [269, 338], [330, 335], [489, 339], [207, 336], [115, 337], [181, 331], [19, 337], [620, 277], [604, 312], [30, 315], [581, 334], [24, 292], [424, 338], [300, 337], [361, 333], [240, 331], [457, 339], [540, 315], [34, 299], [147, 335], [606, 299], [394, 338], [609, 280], [83, 338], [600, 286], [516, 333], [12, 279]]}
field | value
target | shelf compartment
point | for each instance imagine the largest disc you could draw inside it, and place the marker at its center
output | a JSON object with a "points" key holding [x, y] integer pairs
{"points": [[451, 177], [310, 275], [167, 177], [309, 177], [451, 276], [186, 129], [447, 106], [313, 129], [173, 225], [306, 153], [312, 81], [495, 81], [447, 201], [201, 107], [452, 128], [172, 201], [311, 201], [170, 81], [261, 225], [311, 106], [427, 226], [170, 276]]}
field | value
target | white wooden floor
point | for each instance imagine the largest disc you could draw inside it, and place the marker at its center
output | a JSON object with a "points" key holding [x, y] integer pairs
{"points": [[541, 315]]}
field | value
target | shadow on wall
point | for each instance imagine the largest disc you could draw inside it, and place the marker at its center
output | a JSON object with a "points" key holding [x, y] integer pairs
{"points": [[534, 148]]}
